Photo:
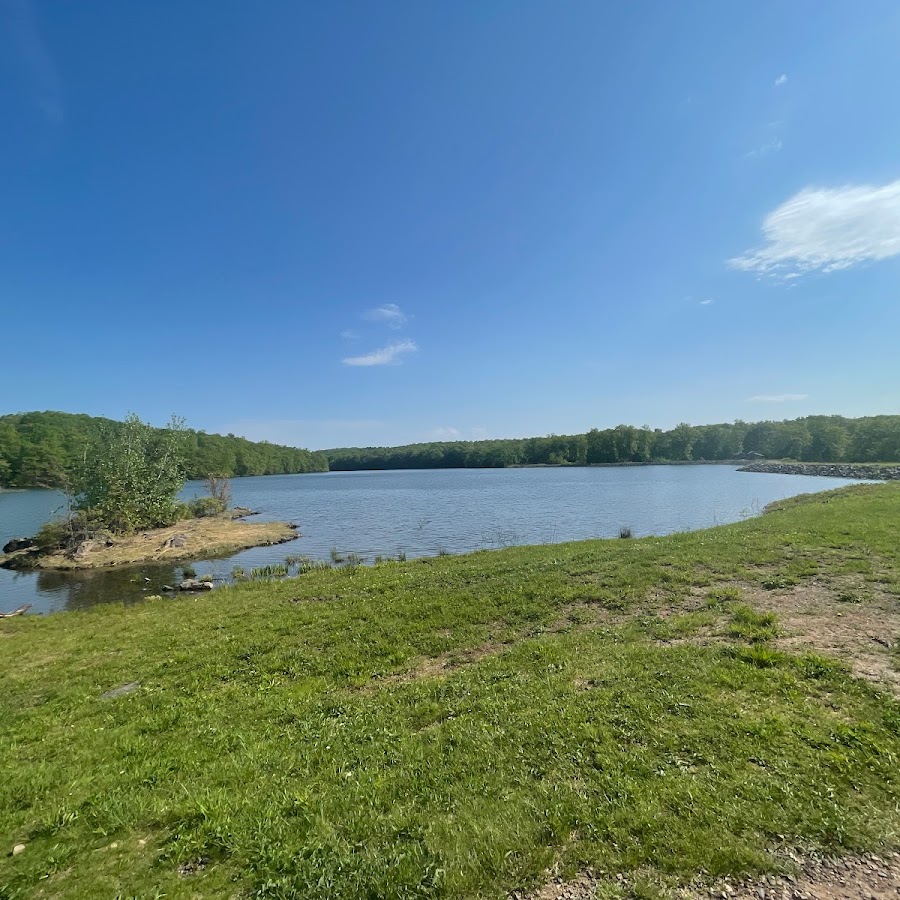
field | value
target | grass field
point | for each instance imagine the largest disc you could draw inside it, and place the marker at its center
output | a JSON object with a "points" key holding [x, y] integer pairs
{"points": [[458, 726]]}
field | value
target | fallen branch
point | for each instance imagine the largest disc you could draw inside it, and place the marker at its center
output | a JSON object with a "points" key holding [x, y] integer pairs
{"points": [[16, 612]]}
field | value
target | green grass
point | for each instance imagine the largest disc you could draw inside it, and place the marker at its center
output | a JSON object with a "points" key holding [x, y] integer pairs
{"points": [[278, 747]]}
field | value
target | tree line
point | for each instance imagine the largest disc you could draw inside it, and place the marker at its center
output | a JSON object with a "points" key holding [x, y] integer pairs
{"points": [[42, 449], [38, 449], [812, 438]]}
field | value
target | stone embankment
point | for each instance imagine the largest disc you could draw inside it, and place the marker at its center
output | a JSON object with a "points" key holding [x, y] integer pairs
{"points": [[835, 470]]}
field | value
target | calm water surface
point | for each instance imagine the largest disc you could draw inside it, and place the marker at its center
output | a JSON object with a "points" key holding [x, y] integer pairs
{"points": [[420, 513]]}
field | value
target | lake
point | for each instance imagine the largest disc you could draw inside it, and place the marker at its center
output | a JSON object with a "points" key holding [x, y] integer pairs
{"points": [[420, 513]]}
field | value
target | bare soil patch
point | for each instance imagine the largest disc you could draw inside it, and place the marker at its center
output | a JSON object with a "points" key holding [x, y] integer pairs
{"points": [[867, 877], [839, 618], [442, 664]]}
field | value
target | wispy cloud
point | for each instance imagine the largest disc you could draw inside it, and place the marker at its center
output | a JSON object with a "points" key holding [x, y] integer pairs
{"points": [[773, 146], [390, 314], [827, 229], [385, 356], [776, 398], [781, 80], [707, 302], [443, 433], [348, 334], [40, 72]]}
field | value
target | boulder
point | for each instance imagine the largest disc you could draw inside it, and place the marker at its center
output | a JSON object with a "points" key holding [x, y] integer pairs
{"points": [[83, 549], [177, 541], [18, 544], [192, 584]]}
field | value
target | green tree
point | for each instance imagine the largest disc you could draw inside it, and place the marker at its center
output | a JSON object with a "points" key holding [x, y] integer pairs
{"points": [[131, 477]]}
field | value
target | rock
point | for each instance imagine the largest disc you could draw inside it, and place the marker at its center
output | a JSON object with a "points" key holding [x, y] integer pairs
{"points": [[18, 544], [192, 584], [177, 541], [19, 848], [833, 470], [83, 549], [121, 691]]}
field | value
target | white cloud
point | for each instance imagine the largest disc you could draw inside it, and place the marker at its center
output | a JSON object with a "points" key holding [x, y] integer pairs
{"points": [[773, 146], [776, 398], [444, 433], [386, 356], [781, 79], [827, 229], [390, 314], [350, 335], [707, 302]]}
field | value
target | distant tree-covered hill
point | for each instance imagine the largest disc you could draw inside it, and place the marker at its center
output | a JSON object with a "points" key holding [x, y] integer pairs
{"points": [[813, 438], [38, 448]]}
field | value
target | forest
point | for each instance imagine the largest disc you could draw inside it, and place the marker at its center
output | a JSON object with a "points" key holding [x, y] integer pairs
{"points": [[40, 449], [813, 438]]}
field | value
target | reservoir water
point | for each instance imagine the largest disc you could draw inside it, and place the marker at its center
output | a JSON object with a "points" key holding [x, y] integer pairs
{"points": [[419, 513]]}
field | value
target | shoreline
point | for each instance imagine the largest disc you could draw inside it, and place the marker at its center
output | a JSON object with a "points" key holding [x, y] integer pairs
{"points": [[190, 539], [643, 694], [861, 471]]}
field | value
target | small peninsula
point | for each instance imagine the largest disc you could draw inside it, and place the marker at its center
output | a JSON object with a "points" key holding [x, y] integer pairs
{"points": [[190, 539]]}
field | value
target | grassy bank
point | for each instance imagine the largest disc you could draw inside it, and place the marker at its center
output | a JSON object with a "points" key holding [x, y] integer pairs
{"points": [[454, 727], [188, 539]]}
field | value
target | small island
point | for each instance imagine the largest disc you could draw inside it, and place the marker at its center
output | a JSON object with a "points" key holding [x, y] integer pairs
{"points": [[191, 539], [124, 509]]}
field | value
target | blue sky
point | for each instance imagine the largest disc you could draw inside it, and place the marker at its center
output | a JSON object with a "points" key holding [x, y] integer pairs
{"points": [[332, 224]]}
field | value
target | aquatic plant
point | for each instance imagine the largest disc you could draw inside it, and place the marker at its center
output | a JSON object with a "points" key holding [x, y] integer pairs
{"points": [[276, 570]]}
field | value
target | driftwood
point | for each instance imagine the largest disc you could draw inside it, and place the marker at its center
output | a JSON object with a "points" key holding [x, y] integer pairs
{"points": [[16, 612]]}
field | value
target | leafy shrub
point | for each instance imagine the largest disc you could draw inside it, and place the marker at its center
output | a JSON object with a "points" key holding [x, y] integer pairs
{"points": [[219, 487], [188, 571], [202, 507], [53, 535], [131, 477]]}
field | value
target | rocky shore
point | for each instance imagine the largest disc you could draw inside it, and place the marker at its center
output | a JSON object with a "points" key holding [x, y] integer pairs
{"points": [[834, 470]]}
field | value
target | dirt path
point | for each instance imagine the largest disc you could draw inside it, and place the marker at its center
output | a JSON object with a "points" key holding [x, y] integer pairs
{"points": [[866, 877]]}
